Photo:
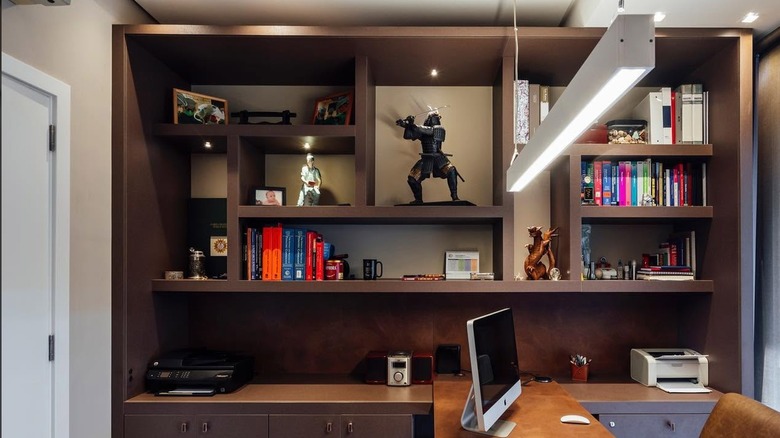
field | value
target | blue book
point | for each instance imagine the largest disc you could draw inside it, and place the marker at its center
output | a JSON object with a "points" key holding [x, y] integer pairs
{"points": [[299, 254], [633, 184], [288, 248], [615, 183], [606, 184]]}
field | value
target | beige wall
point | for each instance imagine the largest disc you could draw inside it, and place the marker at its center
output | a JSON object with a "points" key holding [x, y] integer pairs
{"points": [[73, 44]]}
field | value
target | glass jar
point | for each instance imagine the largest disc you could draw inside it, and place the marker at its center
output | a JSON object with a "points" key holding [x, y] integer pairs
{"points": [[197, 265]]}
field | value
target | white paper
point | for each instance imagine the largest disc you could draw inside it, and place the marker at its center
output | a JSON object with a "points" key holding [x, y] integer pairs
{"points": [[678, 386]]}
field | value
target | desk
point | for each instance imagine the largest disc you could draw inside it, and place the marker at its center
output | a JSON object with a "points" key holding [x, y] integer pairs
{"points": [[537, 412]]}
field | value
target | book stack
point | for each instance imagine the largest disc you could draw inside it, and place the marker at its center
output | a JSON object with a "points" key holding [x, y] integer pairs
{"points": [[284, 253], [665, 273], [533, 105], [676, 115], [643, 182]]}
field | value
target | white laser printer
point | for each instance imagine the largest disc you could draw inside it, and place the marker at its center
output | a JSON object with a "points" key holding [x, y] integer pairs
{"points": [[670, 369]]}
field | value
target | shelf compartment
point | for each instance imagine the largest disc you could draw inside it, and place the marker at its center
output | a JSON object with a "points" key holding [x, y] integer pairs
{"points": [[375, 214]]}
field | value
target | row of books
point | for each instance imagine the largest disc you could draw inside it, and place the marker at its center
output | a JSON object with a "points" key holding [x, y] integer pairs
{"points": [[675, 259], [533, 104], [643, 182], [679, 115], [283, 253]]}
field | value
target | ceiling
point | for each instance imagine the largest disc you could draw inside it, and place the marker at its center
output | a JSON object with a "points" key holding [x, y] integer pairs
{"points": [[588, 13]]}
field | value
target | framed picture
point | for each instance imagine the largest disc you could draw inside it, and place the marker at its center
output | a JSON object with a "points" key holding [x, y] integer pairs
{"points": [[335, 109], [199, 109], [271, 196]]}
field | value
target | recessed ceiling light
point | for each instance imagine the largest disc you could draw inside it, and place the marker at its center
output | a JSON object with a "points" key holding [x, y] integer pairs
{"points": [[659, 17], [307, 146], [750, 17], [434, 73], [207, 145]]}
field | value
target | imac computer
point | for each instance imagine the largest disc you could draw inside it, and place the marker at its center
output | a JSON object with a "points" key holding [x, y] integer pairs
{"points": [[495, 374]]}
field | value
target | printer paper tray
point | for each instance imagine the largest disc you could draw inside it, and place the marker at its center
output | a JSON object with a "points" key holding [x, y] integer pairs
{"points": [[188, 392], [682, 386]]}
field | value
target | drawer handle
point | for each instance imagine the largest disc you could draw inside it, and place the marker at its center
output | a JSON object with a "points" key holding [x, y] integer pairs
{"points": [[183, 427], [350, 428], [205, 427], [671, 425], [329, 427]]}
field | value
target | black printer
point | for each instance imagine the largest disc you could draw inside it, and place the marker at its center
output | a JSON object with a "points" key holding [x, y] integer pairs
{"points": [[198, 372]]}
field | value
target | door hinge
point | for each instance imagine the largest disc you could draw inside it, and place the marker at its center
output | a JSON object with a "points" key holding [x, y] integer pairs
{"points": [[52, 138], [51, 348]]}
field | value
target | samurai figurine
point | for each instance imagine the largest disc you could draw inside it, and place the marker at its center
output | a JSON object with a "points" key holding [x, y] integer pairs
{"points": [[432, 159]]}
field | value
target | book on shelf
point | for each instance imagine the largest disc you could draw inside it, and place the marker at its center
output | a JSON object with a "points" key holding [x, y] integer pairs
{"points": [[651, 110], [299, 257], [665, 273], [288, 253], [534, 109], [668, 115], [544, 102], [522, 111]]}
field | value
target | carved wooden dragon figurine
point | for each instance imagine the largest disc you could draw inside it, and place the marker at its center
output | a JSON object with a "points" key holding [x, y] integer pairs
{"points": [[534, 268]]}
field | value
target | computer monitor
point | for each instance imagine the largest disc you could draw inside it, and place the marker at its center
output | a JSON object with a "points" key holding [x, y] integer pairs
{"points": [[495, 374]]}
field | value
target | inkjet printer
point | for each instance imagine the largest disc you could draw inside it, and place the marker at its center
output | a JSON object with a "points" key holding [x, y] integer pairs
{"points": [[670, 369], [198, 372]]}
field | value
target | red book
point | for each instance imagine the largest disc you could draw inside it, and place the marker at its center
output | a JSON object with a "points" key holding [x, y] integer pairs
{"points": [[597, 182], [276, 263], [319, 264], [267, 245], [309, 271]]}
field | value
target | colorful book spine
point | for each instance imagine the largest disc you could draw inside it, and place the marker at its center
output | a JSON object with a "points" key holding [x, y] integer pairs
{"points": [[288, 251], [299, 255], [606, 186], [632, 165], [319, 265], [598, 182]]}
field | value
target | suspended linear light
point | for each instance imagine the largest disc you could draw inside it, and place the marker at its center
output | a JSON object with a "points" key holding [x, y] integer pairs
{"points": [[623, 56]]}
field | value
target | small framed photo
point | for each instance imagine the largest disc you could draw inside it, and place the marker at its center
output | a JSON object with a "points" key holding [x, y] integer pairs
{"points": [[271, 196], [198, 109], [335, 109]]}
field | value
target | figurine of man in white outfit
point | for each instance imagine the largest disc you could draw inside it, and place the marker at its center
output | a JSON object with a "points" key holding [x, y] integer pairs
{"points": [[312, 180]]}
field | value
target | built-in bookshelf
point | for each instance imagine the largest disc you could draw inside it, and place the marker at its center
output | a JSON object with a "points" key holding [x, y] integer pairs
{"points": [[332, 324]]}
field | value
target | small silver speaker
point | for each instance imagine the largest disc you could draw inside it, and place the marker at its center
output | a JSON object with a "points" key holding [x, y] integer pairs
{"points": [[399, 368]]}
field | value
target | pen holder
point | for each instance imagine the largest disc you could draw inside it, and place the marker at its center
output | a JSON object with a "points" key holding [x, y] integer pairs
{"points": [[579, 373]]}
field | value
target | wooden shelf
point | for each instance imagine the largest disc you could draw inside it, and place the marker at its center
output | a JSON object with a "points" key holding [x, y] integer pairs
{"points": [[435, 287], [615, 214], [376, 215], [618, 151], [272, 139]]}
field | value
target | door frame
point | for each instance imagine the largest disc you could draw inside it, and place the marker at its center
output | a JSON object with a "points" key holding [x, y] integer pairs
{"points": [[60, 94]]}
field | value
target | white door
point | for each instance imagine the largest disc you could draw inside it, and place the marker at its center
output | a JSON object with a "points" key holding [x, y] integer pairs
{"points": [[29, 261]]}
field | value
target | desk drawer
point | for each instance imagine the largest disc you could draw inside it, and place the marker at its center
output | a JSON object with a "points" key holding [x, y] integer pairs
{"points": [[654, 425]]}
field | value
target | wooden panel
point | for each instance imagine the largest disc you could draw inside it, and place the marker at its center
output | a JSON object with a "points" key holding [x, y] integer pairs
{"points": [[159, 426], [654, 426], [311, 426], [232, 426], [370, 426]]}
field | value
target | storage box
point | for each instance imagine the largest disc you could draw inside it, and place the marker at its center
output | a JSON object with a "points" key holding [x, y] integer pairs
{"points": [[627, 131]]}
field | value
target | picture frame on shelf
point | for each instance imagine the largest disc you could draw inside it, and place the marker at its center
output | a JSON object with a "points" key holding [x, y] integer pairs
{"points": [[268, 196], [198, 109], [335, 109]]}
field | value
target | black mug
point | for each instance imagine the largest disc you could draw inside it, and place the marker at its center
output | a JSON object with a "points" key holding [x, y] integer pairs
{"points": [[372, 269]]}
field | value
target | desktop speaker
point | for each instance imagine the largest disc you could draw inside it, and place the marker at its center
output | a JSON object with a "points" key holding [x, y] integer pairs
{"points": [[422, 368], [448, 359], [376, 367]]}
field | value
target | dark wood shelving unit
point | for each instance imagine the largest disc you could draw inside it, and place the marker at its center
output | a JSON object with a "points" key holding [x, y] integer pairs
{"points": [[151, 184]]}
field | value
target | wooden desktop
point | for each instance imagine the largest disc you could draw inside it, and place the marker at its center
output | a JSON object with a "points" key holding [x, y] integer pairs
{"points": [[537, 412]]}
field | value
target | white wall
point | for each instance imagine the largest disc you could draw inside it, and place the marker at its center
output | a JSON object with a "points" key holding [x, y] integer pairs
{"points": [[73, 44]]}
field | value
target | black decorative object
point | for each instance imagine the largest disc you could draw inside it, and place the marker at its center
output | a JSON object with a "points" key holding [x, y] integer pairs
{"points": [[244, 116]]}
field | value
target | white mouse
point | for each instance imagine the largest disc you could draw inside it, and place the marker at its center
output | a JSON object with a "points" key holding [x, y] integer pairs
{"points": [[574, 419]]}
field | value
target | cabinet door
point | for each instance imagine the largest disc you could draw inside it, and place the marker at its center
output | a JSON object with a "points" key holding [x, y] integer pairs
{"points": [[159, 426], [232, 426], [369, 426], [309, 426], [654, 425]]}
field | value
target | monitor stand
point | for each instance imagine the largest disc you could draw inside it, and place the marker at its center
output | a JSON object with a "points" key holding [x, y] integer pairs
{"points": [[469, 422]]}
